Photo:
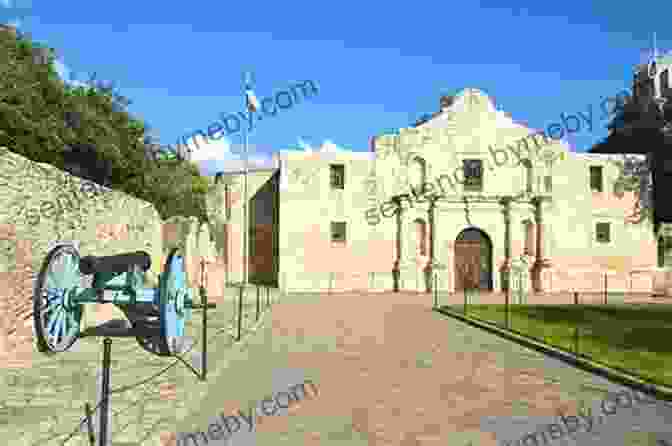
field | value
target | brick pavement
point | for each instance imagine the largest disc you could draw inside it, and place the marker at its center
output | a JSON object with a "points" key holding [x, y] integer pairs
{"points": [[389, 371], [392, 372]]}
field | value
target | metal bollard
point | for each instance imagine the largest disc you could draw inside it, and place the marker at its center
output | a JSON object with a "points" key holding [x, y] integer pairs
{"points": [[506, 307], [89, 424], [257, 302], [104, 421], [240, 311]]}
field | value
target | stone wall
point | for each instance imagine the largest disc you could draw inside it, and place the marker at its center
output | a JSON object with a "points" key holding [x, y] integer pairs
{"points": [[199, 246], [40, 205]]}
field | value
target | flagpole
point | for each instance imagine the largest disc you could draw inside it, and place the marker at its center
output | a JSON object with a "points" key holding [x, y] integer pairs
{"points": [[245, 222]]}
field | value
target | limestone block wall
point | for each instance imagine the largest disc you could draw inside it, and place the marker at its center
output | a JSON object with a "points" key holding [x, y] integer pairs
{"points": [[39, 205]]}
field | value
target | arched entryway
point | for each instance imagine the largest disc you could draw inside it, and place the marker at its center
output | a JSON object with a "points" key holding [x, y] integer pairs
{"points": [[473, 260]]}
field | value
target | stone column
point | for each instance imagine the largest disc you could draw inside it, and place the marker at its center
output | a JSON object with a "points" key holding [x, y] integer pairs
{"points": [[396, 273], [429, 277], [505, 268], [540, 262]]}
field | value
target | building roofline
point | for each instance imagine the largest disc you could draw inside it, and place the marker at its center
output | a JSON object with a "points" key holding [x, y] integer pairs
{"points": [[251, 170]]}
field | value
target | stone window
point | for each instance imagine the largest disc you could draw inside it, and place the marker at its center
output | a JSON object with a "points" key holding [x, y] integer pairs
{"points": [[603, 232], [596, 178], [337, 176], [418, 173], [338, 232], [473, 175]]}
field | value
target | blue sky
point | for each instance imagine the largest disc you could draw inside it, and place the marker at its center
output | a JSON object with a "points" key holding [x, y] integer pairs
{"points": [[379, 65]]}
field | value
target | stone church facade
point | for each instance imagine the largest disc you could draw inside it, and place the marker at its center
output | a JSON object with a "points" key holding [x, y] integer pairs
{"points": [[455, 202]]}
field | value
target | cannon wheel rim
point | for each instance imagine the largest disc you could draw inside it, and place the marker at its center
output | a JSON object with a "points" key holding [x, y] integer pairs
{"points": [[64, 322], [174, 278]]}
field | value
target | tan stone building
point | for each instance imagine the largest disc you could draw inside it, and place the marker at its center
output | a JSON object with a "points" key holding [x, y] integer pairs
{"points": [[465, 194]]}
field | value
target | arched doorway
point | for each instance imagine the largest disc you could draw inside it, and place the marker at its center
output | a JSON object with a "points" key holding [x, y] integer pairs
{"points": [[473, 260]]}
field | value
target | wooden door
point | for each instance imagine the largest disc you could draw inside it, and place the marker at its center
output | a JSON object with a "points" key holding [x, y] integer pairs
{"points": [[467, 264]]}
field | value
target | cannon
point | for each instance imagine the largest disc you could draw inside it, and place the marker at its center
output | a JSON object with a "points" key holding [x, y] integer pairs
{"points": [[156, 316]]}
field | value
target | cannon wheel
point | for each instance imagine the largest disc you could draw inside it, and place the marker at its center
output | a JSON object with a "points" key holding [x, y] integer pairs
{"points": [[173, 292], [163, 319], [56, 319]]}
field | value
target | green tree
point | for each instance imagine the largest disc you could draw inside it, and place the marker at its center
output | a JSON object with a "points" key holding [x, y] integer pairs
{"points": [[41, 118]]}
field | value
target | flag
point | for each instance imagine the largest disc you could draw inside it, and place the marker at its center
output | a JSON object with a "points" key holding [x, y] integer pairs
{"points": [[252, 102]]}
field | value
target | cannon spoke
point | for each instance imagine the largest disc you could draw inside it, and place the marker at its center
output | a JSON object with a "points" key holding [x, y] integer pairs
{"points": [[53, 330], [59, 332], [59, 326], [51, 303], [53, 320], [66, 319]]}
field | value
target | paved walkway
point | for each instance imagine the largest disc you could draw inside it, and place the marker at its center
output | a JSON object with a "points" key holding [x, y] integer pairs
{"points": [[388, 371], [392, 372]]}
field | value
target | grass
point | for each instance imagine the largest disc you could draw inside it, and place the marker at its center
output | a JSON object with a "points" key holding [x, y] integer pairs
{"points": [[632, 337]]}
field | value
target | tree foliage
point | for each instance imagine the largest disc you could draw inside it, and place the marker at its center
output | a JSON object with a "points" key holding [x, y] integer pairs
{"points": [[41, 118], [634, 128]]}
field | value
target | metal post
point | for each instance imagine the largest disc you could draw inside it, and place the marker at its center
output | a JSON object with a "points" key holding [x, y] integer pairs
{"points": [[105, 390], [204, 337], [204, 340], [257, 302], [89, 424], [436, 291], [240, 311], [605, 288], [245, 222], [506, 304], [576, 297]]}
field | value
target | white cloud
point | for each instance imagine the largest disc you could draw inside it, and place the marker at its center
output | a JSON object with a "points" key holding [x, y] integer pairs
{"points": [[61, 69], [214, 156], [305, 146], [327, 146], [209, 150], [66, 74]]}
